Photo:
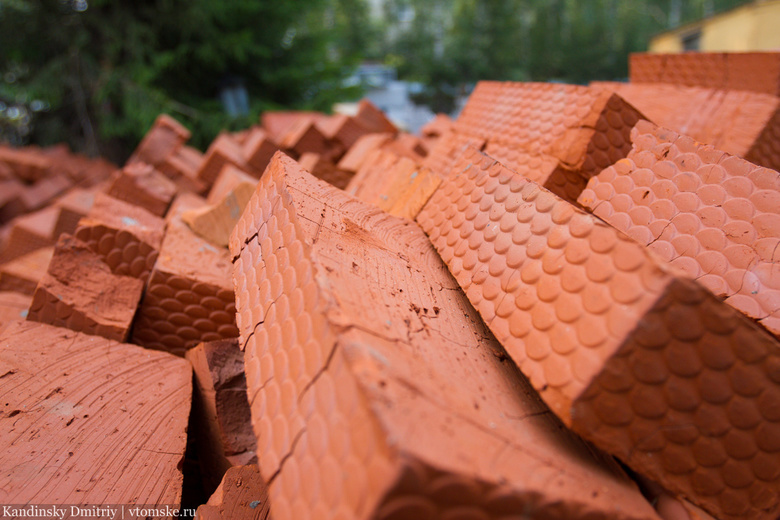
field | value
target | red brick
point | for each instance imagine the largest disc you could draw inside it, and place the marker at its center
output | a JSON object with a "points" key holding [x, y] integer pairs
{"points": [[43, 192], [79, 292], [447, 149], [401, 188], [407, 145], [304, 136], [214, 222], [23, 274], [258, 149], [224, 430], [322, 168], [228, 179], [374, 119], [161, 141], [223, 150], [73, 205], [357, 153], [189, 296], [437, 126], [342, 129], [278, 123], [628, 352], [242, 495], [126, 237], [709, 214], [13, 307], [400, 377], [586, 129], [27, 164], [89, 421], [30, 232], [142, 185]]}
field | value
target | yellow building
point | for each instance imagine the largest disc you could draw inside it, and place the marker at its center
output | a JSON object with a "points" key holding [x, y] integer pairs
{"points": [[750, 27]]}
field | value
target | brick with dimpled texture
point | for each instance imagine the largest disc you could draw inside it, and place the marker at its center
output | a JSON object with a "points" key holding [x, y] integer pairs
{"points": [[376, 391], [79, 292], [126, 237], [710, 214], [586, 129], [189, 297], [571, 297], [141, 184]]}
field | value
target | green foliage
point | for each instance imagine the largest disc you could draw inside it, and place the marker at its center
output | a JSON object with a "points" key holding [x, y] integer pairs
{"points": [[107, 68]]}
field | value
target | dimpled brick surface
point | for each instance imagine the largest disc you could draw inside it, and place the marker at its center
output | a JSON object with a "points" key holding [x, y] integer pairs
{"points": [[447, 149], [566, 294], [752, 71], [738, 122], [713, 215], [586, 129], [189, 297], [698, 403], [366, 368]]}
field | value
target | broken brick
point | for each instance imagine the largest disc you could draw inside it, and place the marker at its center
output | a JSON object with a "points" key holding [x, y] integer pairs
{"points": [[79, 292], [161, 141], [241, 495], [585, 129], [214, 222], [22, 274], [324, 169], [373, 119], [30, 232], [304, 136], [391, 384], [223, 150], [628, 352], [258, 149], [105, 422], [357, 153], [224, 432], [189, 297], [712, 215], [126, 237], [401, 189], [142, 185]]}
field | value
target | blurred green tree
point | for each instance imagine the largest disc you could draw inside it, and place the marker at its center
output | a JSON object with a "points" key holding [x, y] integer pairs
{"points": [[104, 69]]}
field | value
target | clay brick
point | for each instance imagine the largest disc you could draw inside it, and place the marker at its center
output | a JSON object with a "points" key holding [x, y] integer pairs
{"points": [[223, 150], [10, 199], [740, 123], [438, 126], [224, 430], [364, 360], [324, 169], [407, 145], [749, 71], [43, 192], [30, 232], [242, 495], [228, 179], [27, 164], [79, 292], [625, 349], [447, 149], [161, 141], [74, 205], [278, 123], [402, 189], [126, 237], [23, 274], [88, 420], [142, 185], [586, 129], [373, 119], [258, 149], [13, 307], [182, 168], [189, 296], [214, 222], [712, 215], [304, 136], [357, 153], [342, 129]]}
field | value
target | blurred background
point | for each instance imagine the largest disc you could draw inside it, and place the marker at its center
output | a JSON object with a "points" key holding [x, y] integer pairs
{"points": [[96, 73]]}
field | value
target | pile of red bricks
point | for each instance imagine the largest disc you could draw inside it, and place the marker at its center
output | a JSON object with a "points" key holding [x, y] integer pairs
{"points": [[548, 308]]}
